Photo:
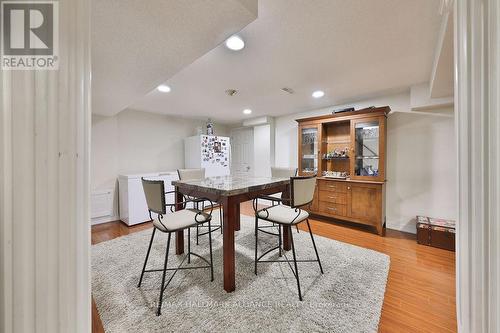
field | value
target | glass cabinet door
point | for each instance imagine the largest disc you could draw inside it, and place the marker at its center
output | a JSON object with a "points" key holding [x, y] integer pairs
{"points": [[309, 150], [367, 160]]}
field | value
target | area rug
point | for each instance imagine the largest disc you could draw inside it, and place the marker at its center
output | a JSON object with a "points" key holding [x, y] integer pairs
{"points": [[348, 297]]}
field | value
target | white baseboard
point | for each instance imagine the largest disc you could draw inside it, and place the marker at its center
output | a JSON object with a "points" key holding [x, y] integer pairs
{"points": [[104, 219], [404, 226]]}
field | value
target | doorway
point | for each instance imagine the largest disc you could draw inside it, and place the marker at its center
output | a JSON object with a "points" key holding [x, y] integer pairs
{"points": [[242, 152]]}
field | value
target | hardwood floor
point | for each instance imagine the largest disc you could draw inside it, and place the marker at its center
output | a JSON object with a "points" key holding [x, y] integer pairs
{"points": [[420, 294]]}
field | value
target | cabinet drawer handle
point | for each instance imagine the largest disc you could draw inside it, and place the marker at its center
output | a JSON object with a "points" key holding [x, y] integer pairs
{"points": [[332, 197], [348, 187], [332, 186], [330, 208]]}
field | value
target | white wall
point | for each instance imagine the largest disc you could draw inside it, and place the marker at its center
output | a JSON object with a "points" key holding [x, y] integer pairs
{"points": [[421, 169], [421, 159], [263, 137], [137, 142]]}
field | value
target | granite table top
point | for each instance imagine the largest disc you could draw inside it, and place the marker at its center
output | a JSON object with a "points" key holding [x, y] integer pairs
{"points": [[231, 185]]}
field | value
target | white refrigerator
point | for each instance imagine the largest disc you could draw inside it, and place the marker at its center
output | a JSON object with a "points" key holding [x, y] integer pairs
{"points": [[211, 152]]}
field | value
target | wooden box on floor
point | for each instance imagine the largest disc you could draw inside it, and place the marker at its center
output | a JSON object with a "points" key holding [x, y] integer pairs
{"points": [[438, 233]]}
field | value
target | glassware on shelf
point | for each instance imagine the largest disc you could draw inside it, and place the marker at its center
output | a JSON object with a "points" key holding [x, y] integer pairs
{"points": [[366, 148], [337, 154], [335, 174], [309, 154]]}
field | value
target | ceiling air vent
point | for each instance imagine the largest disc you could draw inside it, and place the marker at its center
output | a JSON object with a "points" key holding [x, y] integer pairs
{"points": [[231, 92], [287, 90]]}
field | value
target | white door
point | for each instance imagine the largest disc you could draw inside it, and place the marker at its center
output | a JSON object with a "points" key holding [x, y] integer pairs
{"points": [[242, 152]]}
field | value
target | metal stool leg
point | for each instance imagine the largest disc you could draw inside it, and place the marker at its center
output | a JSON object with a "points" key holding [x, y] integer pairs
{"points": [[297, 227], [256, 236], [279, 241], [296, 268], [211, 257], [158, 312], [147, 256], [189, 245], [314, 245], [197, 227]]}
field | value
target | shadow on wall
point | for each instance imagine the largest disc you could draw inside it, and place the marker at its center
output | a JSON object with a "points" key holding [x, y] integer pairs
{"points": [[421, 169]]}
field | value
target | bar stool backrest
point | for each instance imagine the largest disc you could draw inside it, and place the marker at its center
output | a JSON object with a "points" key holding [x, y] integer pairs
{"points": [[191, 174], [154, 191], [283, 172], [302, 190]]}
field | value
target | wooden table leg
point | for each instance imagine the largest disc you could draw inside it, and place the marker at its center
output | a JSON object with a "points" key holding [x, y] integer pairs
{"points": [[179, 235], [287, 234], [231, 220], [237, 220]]}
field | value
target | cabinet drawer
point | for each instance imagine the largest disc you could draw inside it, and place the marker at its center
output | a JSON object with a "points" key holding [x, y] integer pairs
{"points": [[333, 197], [332, 208], [332, 186]]}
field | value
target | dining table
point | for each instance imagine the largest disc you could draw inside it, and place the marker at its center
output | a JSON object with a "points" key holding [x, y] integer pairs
{"points": [[229, 192]]}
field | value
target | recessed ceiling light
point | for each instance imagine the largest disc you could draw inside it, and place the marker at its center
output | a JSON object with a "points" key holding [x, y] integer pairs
{"points": [[247, 111], [164, 88], [318, 94], [235, 43]]}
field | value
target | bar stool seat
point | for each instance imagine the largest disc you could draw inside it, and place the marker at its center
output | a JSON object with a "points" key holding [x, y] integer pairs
{"points": [[283, 214], [180, 220]]}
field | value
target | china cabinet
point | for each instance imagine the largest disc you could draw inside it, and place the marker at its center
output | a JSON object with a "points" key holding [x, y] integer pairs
{"points": [[348, 153]]}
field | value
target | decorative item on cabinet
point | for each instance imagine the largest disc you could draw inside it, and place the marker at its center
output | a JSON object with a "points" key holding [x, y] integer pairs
{"points": [[350, 109], [348, 150], [210, 127]]}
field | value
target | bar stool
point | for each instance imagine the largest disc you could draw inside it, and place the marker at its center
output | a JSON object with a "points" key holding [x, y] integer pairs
{"points": [[197, 174], [277, 198], [170, 223], [301, 194]]}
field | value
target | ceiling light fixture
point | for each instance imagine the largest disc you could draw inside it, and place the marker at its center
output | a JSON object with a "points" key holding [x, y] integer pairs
{"points": [[318, 94], [235, 43], [247, 111], [164, 88]]}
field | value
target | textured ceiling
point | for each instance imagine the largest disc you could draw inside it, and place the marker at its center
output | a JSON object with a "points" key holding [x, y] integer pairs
{"points": [[136, 45], [350, 49]]}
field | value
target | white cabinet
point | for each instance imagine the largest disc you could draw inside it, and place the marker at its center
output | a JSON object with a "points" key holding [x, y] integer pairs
{"points": [[133, 207]]}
